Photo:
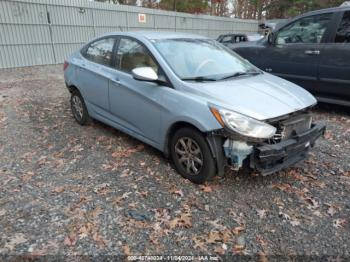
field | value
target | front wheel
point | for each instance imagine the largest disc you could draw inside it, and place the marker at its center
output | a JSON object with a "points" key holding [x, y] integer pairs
{"points": [[191, 155]]}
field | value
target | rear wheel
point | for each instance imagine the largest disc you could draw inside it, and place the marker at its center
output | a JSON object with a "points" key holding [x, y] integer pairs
{"points": [[191, 155], [78, 107]]}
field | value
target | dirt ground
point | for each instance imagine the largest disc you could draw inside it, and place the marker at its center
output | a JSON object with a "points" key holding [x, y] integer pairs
{"points": [[71, 190]]}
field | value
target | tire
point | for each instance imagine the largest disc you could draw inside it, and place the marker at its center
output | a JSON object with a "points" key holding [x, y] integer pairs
{"points": [[78, 107], [199, 157]]}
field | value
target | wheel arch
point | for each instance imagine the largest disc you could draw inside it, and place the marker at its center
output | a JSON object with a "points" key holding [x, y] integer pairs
{"points": [[72, 88], [214, 141], [171, 131]]}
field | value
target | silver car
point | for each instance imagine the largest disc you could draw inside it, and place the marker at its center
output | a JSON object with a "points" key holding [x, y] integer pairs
{"points": [[193, 99]]}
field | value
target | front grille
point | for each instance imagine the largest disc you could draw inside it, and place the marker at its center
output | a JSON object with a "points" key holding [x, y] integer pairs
{"points": [[294, 125]]}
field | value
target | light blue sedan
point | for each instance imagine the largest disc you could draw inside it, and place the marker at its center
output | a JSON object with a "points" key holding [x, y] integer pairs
{"points": [[193, 99]]}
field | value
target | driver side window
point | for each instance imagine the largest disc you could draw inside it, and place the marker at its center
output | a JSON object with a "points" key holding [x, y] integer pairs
{"points": [[305, 30]]}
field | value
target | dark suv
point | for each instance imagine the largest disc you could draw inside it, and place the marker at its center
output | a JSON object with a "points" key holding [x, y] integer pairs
{"points": [[311, 50]]}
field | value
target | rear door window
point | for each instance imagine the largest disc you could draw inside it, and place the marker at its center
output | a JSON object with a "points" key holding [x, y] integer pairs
{"points": [[101, 51], [343, 32]]}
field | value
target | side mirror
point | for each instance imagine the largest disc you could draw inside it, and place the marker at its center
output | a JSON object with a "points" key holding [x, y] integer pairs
{"points": [[144, 74], [271, 38]]}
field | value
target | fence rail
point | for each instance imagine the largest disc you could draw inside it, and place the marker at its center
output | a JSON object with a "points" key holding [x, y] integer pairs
{"points": [[39, 32]]}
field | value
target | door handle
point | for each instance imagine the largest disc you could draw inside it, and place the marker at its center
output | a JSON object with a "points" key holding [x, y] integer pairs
{"points": [[116, 80], [312, 52]]}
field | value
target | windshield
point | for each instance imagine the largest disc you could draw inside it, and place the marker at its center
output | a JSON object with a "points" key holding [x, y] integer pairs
{"points": [[202, 59]]}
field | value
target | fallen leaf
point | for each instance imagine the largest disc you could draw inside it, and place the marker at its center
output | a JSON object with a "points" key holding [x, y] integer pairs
{"points": [[96, 212], [99, 240], [238, 248], [17, 239], [2, 212], [101, 189], [59, 189], [127, 152], [261, 213], [126, 250], [262, 257], [237, 230], [126, 195], [28, 176], [294, 222], [70, 240], [49, 248], [284, 215], [340, 222], [216, 224], [206, 188], [331, 211], [125, 173], [77, 148], [213, 237], [312, 202], [220, 250], [183, 221], [260, 240], [177, 192], [199, 243], [85, 230]]}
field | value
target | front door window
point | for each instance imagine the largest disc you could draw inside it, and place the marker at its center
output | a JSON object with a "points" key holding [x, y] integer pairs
{"points": [[132, 54], [306, 30]]}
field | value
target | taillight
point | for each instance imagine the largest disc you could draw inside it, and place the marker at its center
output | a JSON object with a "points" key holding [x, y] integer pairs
{"points": [[65, 65]]}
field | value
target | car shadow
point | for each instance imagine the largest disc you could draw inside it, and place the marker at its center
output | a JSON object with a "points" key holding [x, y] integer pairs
{"points": [[245, 175], [130, 141]]}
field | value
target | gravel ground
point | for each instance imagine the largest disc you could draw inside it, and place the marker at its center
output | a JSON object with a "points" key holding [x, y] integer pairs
{"points": [[72, 190]]}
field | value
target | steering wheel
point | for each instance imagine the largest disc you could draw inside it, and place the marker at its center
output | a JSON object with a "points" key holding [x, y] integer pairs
{"points": [[203, 64], [298, 39]]}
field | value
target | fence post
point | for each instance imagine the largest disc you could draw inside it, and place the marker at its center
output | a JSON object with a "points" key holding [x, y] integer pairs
{"points": [[93, 20], [51, 35]]}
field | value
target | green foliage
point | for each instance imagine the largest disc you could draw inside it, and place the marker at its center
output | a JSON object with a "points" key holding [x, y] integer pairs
{"points": [[289, 8], [248, 9], [189, 6]]}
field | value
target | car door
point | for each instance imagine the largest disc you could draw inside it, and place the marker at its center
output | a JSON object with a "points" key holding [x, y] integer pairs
{"points": [[334, 72], [294, 53], [94, 72], [136, 105]]}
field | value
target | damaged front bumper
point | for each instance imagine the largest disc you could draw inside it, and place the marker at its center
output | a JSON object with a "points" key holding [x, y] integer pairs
{"points": [[270, 158], [266, 158]]}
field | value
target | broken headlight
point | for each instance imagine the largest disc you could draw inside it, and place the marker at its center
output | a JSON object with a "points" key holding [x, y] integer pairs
{"points": [[243, 125]]}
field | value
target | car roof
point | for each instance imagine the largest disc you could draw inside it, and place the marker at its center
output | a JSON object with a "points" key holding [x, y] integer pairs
{"points": [[316, 12], [235, 34], [155, 35], [327, 10]]}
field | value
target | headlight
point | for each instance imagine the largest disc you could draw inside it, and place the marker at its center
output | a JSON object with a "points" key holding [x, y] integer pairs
{"points": [[243, 125]]}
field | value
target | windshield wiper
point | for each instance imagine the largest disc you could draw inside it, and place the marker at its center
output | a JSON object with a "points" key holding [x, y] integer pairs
{"points": [[237, 74], [199, 79]]}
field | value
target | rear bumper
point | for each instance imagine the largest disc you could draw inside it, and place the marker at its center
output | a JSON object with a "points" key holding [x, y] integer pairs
{"points": [[270, 158]]}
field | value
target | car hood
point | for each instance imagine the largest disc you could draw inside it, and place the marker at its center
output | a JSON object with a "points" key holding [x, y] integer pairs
{"points": [[261, 97]]}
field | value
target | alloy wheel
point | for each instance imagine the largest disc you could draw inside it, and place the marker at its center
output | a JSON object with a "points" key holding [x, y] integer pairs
{"points": [[78, 109], [189, 155]]}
